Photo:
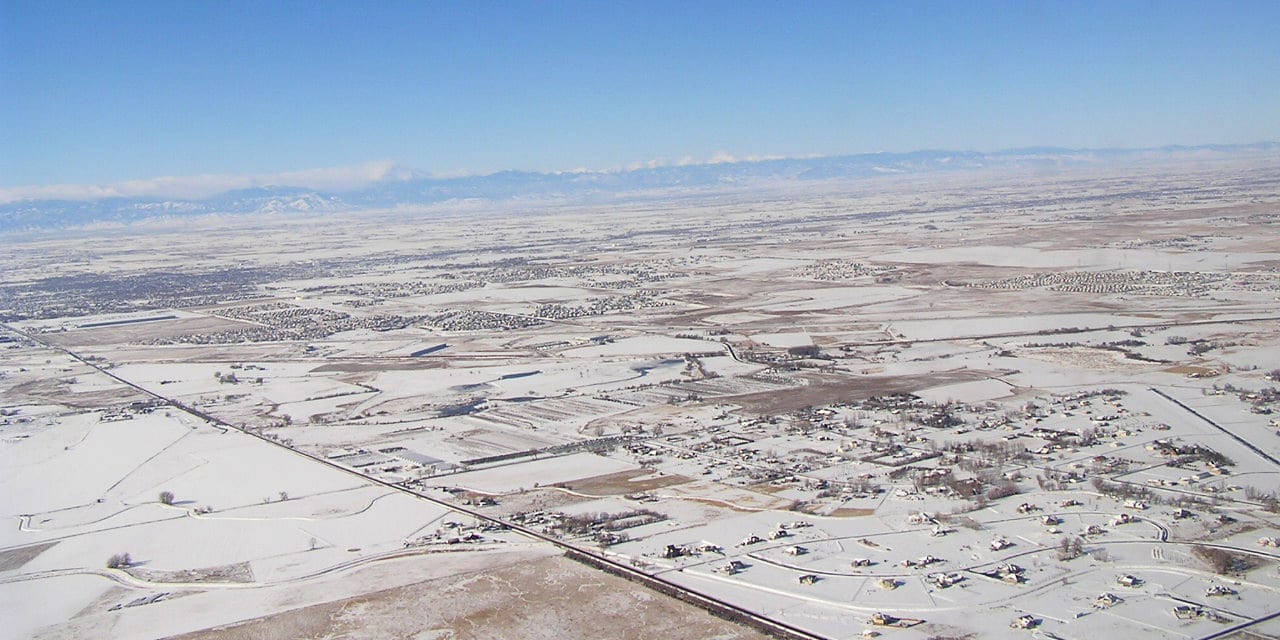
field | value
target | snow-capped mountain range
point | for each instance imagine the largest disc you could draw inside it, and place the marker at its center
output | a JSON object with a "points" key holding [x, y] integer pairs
{"points": [[403, 188]]}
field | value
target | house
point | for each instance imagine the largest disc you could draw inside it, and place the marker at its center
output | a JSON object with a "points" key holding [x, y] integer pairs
{"points": [[1024, 622], [1129, 581], [883, 619], [1006, 568], [1107, 600], [922, 562], [1187, 612]]}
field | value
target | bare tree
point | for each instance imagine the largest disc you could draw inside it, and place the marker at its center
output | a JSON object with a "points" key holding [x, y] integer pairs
{"points": [[1222, 561], [1070, 548], [166, 497]]}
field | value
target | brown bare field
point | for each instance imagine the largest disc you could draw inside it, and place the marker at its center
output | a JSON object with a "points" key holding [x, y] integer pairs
{"points": [[54, 391], [730, 497], [159, 329], [238, 572], [14, 558], [552, 598], [622, 482], [838, 512], [1190, 369], [384, 364], [1088, 357], [541, 499], [845, 512], [721, 504], [768, 489], [828, 389]]}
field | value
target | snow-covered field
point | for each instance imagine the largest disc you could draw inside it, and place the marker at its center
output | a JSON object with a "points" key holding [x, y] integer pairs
{"points": [[815, 410]]}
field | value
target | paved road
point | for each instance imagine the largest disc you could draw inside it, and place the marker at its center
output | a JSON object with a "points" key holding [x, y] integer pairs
{"points": [[1051, 332], [1249, 445], [1243, 625], [704, 601]]}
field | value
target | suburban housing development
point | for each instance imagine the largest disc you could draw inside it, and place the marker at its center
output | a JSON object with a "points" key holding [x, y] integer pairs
{"points": [[847, 408]]}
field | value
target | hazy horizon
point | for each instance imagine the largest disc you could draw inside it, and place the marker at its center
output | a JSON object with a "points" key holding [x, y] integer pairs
{"points": [[341, 179]]}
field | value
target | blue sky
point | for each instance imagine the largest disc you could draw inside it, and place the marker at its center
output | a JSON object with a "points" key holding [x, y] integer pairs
{"points": [[101, 92]]}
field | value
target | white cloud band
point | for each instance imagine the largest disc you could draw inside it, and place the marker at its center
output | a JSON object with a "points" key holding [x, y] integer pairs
{"points": [[203, 186]]}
